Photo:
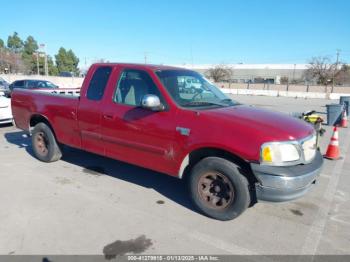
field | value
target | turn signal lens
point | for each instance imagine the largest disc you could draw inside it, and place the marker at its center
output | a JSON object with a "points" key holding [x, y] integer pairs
{"points": [[266, 154]]}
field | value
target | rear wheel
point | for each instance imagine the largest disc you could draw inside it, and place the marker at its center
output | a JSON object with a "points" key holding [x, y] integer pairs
{"points": [[218, 189], [44, 144]]}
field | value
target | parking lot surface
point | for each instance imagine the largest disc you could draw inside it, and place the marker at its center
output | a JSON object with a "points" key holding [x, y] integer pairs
{"points": [[84, 203]]}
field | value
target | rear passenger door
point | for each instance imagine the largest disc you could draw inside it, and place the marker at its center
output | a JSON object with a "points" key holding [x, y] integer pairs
{"points": [[90, 106]]}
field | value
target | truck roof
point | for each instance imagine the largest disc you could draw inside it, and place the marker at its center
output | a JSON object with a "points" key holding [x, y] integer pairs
{"points": [[142, 66]]}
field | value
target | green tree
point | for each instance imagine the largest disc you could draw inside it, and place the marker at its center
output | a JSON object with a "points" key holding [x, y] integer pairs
{"points": [[2, 43], [67, 61], [53, 70], [61, 60], [28, 55], [30, 45], [15, 43], [74, 60]]}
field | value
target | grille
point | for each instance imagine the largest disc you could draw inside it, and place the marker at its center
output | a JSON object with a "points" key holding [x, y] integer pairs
{"points": [[309, 148]]}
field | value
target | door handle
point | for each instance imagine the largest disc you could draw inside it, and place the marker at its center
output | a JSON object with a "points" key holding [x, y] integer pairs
{"points": [[108, 117]]}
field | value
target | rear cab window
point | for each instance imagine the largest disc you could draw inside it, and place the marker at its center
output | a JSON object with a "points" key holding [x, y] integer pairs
{"points": [[19, 84], [98, 83]]}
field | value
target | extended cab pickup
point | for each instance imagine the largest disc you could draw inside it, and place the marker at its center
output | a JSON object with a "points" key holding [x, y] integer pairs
{"points": [[230, 154]]}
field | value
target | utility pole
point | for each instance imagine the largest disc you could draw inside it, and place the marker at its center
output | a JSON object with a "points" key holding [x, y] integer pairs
{"points": [[37, 63], [335, 68], [338, 53], [46, 66], [145, 56], [294, 73], [43, 50]]}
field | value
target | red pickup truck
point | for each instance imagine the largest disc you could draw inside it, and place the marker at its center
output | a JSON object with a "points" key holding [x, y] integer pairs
{"points": [[230, 154]]}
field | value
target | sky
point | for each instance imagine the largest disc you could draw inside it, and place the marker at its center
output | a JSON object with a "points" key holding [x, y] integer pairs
{"points": [[185, 31]]}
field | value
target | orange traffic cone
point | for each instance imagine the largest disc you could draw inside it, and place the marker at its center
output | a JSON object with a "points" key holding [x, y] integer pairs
{"points": [[333, 152], [344, 120]]}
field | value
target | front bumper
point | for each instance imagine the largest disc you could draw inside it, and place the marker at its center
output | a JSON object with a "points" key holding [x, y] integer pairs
{"points": [[278, 184]]}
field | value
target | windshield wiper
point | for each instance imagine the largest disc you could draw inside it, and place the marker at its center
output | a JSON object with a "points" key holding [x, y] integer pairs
{"points": [[203, 103], [229, 100], [226, 100]]}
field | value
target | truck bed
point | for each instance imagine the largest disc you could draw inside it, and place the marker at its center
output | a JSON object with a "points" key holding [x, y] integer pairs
{"points": [[59, 106]]}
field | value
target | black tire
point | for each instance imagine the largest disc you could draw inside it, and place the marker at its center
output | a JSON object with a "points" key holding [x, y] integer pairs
{"points": [[228, 178], [44, 144]]}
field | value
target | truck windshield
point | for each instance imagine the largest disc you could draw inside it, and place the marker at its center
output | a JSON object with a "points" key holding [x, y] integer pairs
{"points": [[191, 89]]}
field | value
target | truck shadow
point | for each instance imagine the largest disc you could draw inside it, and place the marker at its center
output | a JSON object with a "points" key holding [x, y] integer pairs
{"points": [[92, 164]]}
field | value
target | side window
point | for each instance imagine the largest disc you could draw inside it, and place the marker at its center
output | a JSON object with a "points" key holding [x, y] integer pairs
{"points": [[31, 84], [98, 83], [19, 84], [133, 85]]}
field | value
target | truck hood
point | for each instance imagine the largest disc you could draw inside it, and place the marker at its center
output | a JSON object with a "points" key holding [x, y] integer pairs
{"points": [[264, 125]]}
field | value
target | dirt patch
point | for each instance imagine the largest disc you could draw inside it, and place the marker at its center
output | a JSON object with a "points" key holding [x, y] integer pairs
{"points": [[160, 202], [120, 248], [296, 212], [95, 170]]}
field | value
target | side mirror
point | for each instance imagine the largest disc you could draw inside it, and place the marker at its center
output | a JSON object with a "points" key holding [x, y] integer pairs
{"points": [[152, 102]]}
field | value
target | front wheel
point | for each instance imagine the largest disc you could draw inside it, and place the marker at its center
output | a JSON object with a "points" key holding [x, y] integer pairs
{"points": [[44, 144], [218, 189]]}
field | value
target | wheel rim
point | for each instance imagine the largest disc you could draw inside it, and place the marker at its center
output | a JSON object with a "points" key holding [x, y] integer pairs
{"points": [[41, 143], [215, 190]]}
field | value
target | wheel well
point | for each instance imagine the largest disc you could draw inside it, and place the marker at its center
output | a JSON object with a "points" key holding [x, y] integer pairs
{"points": [[199, 154], [36, 119]]}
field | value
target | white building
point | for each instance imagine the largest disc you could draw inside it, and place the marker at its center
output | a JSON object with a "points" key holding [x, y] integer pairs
{"points": [[271, 73]]}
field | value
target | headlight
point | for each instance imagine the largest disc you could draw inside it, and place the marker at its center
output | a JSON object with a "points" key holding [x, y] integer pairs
{"points": [[276, 153]]}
